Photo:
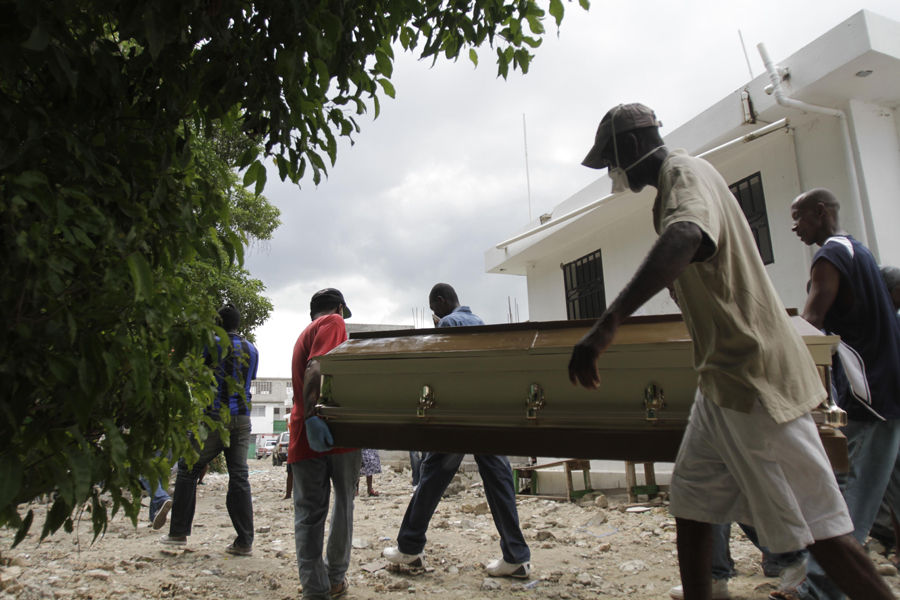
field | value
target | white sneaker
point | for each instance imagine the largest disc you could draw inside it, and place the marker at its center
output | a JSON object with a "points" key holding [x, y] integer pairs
{"points": [[501, 568], [719, 590], [393, 554], [790, 578]]}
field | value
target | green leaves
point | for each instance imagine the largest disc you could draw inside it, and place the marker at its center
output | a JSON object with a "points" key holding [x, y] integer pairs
{"points": [[10, 478], [132, 163], [141, 277], [256, 173], [557, 11], [388, 88], [38, 40]]}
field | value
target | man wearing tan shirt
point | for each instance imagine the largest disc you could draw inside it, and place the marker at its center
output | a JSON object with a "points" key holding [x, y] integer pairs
{"points": [[751, 452]]}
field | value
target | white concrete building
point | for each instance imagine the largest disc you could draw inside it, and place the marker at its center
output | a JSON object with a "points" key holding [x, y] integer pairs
{"points": [[579, 256], [270, 405]]}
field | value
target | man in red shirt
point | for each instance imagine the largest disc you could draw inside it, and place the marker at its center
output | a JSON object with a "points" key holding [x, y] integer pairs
{"points": [[316, 465]]}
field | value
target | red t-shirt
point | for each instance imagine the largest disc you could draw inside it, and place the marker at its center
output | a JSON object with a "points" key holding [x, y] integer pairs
{"points": [[317, 339]]}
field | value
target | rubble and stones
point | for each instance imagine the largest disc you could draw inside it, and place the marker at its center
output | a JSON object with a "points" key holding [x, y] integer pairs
{"points": [[590, 549]]}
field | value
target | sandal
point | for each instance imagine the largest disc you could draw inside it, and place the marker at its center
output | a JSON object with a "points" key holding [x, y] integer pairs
{"points": [[373, 493]]}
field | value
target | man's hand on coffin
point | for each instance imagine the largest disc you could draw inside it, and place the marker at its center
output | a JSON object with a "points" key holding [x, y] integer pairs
{"points": [[583, 364], [677, 247], [319, 435]]}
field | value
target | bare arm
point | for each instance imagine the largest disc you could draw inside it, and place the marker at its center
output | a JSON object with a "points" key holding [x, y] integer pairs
{"points": [[312, 385], [824, 284], [679, 245]]}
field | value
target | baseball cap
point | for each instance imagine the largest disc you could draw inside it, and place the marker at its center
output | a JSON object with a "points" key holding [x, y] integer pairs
{"points": [[624, 117], [230, 317], [329, 297]]}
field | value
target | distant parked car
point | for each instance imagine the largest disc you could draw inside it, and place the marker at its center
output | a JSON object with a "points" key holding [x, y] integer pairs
{"points": [[280, 452], [265, 448]]}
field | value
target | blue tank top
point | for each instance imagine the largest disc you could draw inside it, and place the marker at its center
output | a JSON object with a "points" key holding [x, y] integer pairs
{"points": [[870, 327]]}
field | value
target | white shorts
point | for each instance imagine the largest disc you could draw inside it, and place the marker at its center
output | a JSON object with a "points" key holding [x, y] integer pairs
{"points": [[745, 467]]}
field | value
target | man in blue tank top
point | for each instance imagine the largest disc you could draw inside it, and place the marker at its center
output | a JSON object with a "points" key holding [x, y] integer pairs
{"points": [[848, 296]]}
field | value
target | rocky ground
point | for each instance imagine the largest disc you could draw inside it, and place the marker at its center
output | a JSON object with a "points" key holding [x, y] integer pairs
{"points": [[594, 549]]}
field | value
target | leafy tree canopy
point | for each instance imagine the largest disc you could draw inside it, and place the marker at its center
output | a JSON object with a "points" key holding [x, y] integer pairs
{"points": [[115, 225]]}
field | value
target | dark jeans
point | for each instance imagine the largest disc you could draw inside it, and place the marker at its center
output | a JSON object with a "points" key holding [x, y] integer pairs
{"points": [[158, 496], [237, 501], [435, 475], [723, 566], [415, 463]]}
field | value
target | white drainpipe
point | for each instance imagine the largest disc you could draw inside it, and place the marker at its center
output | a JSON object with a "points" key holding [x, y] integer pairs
{"points": [[784, 100]]}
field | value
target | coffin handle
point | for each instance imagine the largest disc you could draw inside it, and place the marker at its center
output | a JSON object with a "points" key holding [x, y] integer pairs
{"points": [[535, 401], [426, 401], [654, 401]]}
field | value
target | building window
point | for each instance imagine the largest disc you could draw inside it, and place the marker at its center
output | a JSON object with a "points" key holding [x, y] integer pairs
{"points": [[749, 194], [290, 385], [277, 410], [585, 294], [264, 387], [257, 411]]}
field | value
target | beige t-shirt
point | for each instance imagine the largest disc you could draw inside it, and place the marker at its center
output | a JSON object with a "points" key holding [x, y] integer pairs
{"points": [[745, 347]]}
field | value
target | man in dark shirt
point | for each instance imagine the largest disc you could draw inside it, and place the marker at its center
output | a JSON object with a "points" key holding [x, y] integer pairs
{"points": [[847, 296], [438, 469], [236, 366]]}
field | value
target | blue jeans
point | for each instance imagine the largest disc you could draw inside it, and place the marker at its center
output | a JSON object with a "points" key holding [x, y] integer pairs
{"points": [[415, 463], [437, 472], [883, 527], [313, 480], [157, 498], [238, 500], [723, 566], [873, 447]]}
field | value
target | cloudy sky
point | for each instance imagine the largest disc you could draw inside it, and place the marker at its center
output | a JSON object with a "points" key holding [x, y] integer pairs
{"points": [[440, 175]]}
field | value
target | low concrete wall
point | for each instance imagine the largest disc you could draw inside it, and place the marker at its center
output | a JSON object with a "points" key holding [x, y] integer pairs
{"points": [[605, 474]]}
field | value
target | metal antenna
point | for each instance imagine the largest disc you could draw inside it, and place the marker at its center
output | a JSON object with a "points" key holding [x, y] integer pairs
{"points": [[746, 57], [527, 176]]}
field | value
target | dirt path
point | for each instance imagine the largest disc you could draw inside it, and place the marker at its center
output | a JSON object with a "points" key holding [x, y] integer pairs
{"points": [[579, 551]]}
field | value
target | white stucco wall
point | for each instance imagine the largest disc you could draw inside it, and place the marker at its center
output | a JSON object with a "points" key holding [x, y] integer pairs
{"points": [[877, 144], [623, 242], [773, 157]]}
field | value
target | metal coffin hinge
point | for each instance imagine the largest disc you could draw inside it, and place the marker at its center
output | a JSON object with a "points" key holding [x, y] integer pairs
{"points": [[426, 401], [654, 401], [535, 401]]}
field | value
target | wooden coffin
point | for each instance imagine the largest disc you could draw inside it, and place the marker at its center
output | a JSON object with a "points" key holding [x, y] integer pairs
{"points": [[504, 389]]}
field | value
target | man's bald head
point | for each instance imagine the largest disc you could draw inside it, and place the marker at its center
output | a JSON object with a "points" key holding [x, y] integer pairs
{"points": [[818, 196], [815, 216]]}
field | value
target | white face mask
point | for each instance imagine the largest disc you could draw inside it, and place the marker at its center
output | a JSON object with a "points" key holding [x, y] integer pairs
{"points": [[619, 179], [619, 176]]}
